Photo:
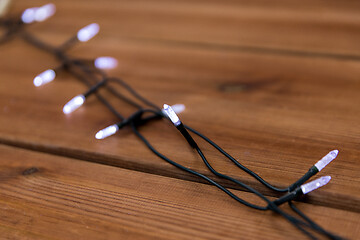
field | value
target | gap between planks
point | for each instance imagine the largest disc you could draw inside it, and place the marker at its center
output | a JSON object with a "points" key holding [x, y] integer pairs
{"points": [[42, 194], [244, 49], [330, 200]]}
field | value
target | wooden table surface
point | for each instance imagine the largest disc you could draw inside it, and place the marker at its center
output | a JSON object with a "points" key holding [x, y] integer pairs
{"points": [[276, 84]]}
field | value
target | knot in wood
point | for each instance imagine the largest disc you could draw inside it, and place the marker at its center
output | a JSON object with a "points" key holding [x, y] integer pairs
{"points": [[30, 171]]}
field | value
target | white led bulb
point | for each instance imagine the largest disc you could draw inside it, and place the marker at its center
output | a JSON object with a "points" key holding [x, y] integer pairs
{"points": [[74, 104], [44, 12], [38, 14], [178, 108], [44, 77], [171, 114], [105, 62], [88, 32], [311, 186], [326, 160], [28, 16], [106, 132]]}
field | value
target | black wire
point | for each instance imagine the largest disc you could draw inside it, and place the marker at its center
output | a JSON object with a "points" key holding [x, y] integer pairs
{"points": [[37, 43], [134, 128], [134, 93], [297, 223], [312, 223], [90, 73], [69, 43], [125, 99], [242, 167], [138, 96], [208, 165], [59, 54], [99, 96], [273, 207]]}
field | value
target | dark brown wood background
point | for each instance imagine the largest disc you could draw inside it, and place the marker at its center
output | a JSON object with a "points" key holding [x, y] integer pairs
{"points": [[275, 83]]}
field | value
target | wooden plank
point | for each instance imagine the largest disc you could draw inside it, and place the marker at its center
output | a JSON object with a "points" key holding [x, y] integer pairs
{"points": [[277, 114], [47, 197], [314, 27]]}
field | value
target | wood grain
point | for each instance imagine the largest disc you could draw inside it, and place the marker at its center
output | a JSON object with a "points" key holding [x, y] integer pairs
{"points": [[47, 197], [328, 28], [275, 84], [285, 117]]}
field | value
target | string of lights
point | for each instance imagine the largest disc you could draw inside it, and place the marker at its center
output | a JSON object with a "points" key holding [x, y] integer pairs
{"points": [[92, 74]]}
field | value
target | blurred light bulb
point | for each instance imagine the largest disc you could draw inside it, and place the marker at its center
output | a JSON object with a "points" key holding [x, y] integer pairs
{"points": [[74, 104], [172, 115], [106, 132], [326, 160], [88, 32], [105, 62], [311, 186], [44, 12], [28, 16], [178, 108], [44, 77]]}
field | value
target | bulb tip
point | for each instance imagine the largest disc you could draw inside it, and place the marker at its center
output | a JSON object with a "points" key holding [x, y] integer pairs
{"points": [[88, 32], [99, 134], [28, 16], [335, 152], [178, 108], [326, 179], [315, 184], [44, 77], [74, 104], [107, 132], [37, 81], [105, 62], [326, 160], [44, 12], [171, 114], [66, 109]]}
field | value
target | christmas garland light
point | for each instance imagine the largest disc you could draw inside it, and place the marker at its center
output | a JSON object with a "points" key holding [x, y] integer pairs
{"points": [[92, 74]]}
